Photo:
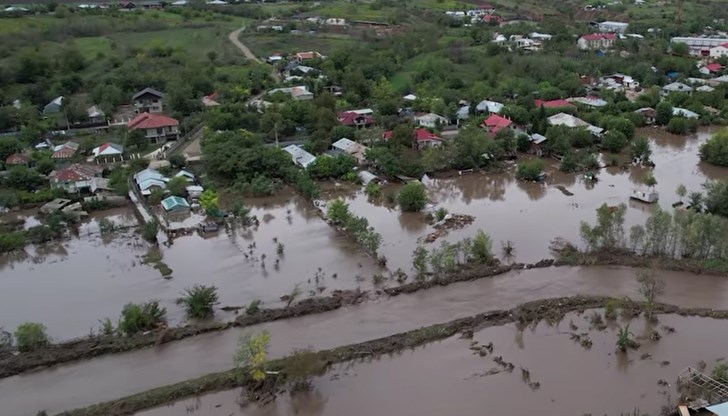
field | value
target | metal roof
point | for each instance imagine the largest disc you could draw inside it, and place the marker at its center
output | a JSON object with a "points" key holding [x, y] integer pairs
{"points": [[720, 409], [174, 202]]}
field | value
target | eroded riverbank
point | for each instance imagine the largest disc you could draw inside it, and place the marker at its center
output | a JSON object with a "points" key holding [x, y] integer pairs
{"points": [[106, 378]]}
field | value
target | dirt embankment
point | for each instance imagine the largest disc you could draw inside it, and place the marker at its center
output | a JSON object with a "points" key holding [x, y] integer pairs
{"points": [[551, 310], [53, 354]]}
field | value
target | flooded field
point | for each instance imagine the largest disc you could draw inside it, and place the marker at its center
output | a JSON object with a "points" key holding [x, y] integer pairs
{"points": [[105, 378], [530, 214], [449, 378]]}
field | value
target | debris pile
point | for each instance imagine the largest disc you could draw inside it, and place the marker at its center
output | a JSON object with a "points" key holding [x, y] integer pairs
{"points": [[450, 222]]}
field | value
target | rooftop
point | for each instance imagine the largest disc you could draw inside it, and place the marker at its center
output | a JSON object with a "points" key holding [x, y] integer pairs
{"points": [[148, 91], [151, 121], [174, 202], [75, 172]]}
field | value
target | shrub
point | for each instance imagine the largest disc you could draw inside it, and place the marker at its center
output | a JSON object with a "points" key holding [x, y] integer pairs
{"points": [[529, 170], [177, 186], [338, 211], [412, 197], [373, 189], [440, 214], [715, 150], [150, 230], [614, 141], [678, 125], [141, 317], [300, 368], [30, 336], [11, 241], [253, 307], [480, 250], [177, 161], [6, 340], [199, 301], [156, 197], [640, 149]]}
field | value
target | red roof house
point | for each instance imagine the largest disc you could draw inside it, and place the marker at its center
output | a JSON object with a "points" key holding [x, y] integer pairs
{"points": [[496, 123], [75, 177], [17, 159], [65, 150], [552, 103], [423, 138], [157, 127], [492, 18], [354, 119], [714, 67]]}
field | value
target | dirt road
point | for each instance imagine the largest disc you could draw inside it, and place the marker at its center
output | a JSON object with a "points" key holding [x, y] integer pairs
{"points": [[234, 37]]}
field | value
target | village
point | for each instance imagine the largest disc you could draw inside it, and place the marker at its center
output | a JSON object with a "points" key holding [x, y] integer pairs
{"points": [[304, 189]]}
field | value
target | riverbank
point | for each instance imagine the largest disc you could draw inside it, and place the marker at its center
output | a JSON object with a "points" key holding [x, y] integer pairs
{"points": [[550, 310], [54, 354]]}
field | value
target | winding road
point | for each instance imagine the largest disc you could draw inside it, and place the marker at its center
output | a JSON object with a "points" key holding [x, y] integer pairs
{"points": [[105, 378], [234, 37]]}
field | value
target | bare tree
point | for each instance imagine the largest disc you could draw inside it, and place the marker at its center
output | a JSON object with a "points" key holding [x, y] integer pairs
{"points": [[650, 288]]}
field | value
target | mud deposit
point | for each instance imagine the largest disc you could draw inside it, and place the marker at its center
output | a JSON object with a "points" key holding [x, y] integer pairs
{"points": [[448, 377]]}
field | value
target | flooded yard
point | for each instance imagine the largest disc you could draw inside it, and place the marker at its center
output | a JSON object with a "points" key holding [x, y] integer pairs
{"points": [[449, 378]]}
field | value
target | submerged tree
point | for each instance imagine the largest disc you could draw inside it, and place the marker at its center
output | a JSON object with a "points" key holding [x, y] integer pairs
{"points": [[608, 233], [419, 262], [650, 288], [251, 356]]}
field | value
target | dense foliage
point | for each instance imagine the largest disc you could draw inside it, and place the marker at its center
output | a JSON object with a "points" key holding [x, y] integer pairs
{"points": [[715, 150]]}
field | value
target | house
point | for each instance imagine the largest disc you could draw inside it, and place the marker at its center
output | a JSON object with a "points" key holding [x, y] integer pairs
{"points": [[299, 156], [705, 88], [720, 79], [463, 113], [300, 93], [540, 36], [431, 120], [552, 103], [496, 123], [719, 51], [589, 101], [149, 179], [65, 150], [350, 147], [492, 18], [424, 138], [74, 178], [305, 56], [354, 119], [537, 141], [612, 27], [702, 46], [649, 114], [274, 58], [148, 100], [108, 150], [194, 191], [596, 41], [619, 82], [489, 107], [17, 159], [563, 119], [189, 176], [156, 127], [95, 115], [210, 100], [175, 204], [711, 68], [676, 87], [683, 112], [54, 106]]}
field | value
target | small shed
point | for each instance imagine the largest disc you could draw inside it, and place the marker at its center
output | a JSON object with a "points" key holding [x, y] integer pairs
{"points": [[537, 141], [194, 191], [366, 177], [189, 176], [175, 204]]}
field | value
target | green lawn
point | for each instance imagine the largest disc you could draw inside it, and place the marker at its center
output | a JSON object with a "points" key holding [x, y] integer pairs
{"points": [[92, 47], [265, 45]]}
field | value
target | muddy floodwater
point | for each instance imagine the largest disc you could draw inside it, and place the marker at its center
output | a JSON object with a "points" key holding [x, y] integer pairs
{"points": [[530, 214], [447, 377], [109, 377]]}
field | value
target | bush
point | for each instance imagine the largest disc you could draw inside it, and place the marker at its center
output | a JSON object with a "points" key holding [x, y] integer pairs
{"points": [[156, 197], [440, 214], [523, 143], [199, 301], [480, 250], [529, 170], [253, 307], [678, 125], [177, 161], [614, 141], [715, 150], [11, 241], [373, 189], [412, 197], [145, 317], [150, 230], [640, 149], [30, 336], [177, 186], [338, 211]]}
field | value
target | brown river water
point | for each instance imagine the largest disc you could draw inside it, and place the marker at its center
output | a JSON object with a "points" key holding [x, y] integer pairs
{"points": [[104, 378], [446, 377], [91, 277]]}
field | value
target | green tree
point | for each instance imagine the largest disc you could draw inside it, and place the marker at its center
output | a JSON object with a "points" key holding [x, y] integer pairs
{"points": [[663, 113], [640, 149], [678, 125], [177, 186], [529, 170], [199, 301], [716, 200], [23, 178], [177, 161], [622, 125], [338, 211], [156, 197], [419, 262], [649, 180], [614, 141], [480, 250], [9, 145], [680, 49], [209, 200], [650, 288], [608, 233], [30, 336], [412, 197], [136, 139], [715, 150]]}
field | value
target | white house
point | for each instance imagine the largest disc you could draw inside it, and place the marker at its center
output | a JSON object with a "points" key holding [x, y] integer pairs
{"points": [[299, 156], [719, 51], [564, 119], [684, 112], [613, 27], [108, 150], [431, 120], [676, 87], [350, 147], [300, 93], [487, 106]]}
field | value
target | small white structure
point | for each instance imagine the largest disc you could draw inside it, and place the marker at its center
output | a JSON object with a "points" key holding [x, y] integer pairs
{"points": [[431, 120], [564, 119], [299, 156], [410, 97], [299, 93], [676, 87], [719, 51], [649, 197], [350, 147], [108, 150], [705, 88], [684, 112], [540, 36], [613, 27], [487, 106]]}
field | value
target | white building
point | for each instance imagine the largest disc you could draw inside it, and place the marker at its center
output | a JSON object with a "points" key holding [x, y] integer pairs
{"points": [[700, 46], [487, 106], [613, 27], [431, 120], [719, 51], [676, 87], [299, 156]]}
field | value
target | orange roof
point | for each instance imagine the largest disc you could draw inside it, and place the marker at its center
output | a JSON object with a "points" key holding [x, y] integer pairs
{"points": [[17, 159], [151, 121]]}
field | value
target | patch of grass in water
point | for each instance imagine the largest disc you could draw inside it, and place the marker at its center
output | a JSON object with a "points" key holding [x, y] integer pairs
{"points": [[154, 258]]}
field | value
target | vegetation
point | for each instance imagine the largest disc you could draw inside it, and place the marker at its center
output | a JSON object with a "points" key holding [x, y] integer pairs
{"points": [[715, 150], [412, 197], [150, 230], [650, 288], [481, 248], [624, 339], [373, 190], [177, 186], [529, 170], [419, 262], [199, 301], [300, 369], [251, 355], [141, 317], [358, 227], [608, 233], [30, 336], [440, 214]]}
